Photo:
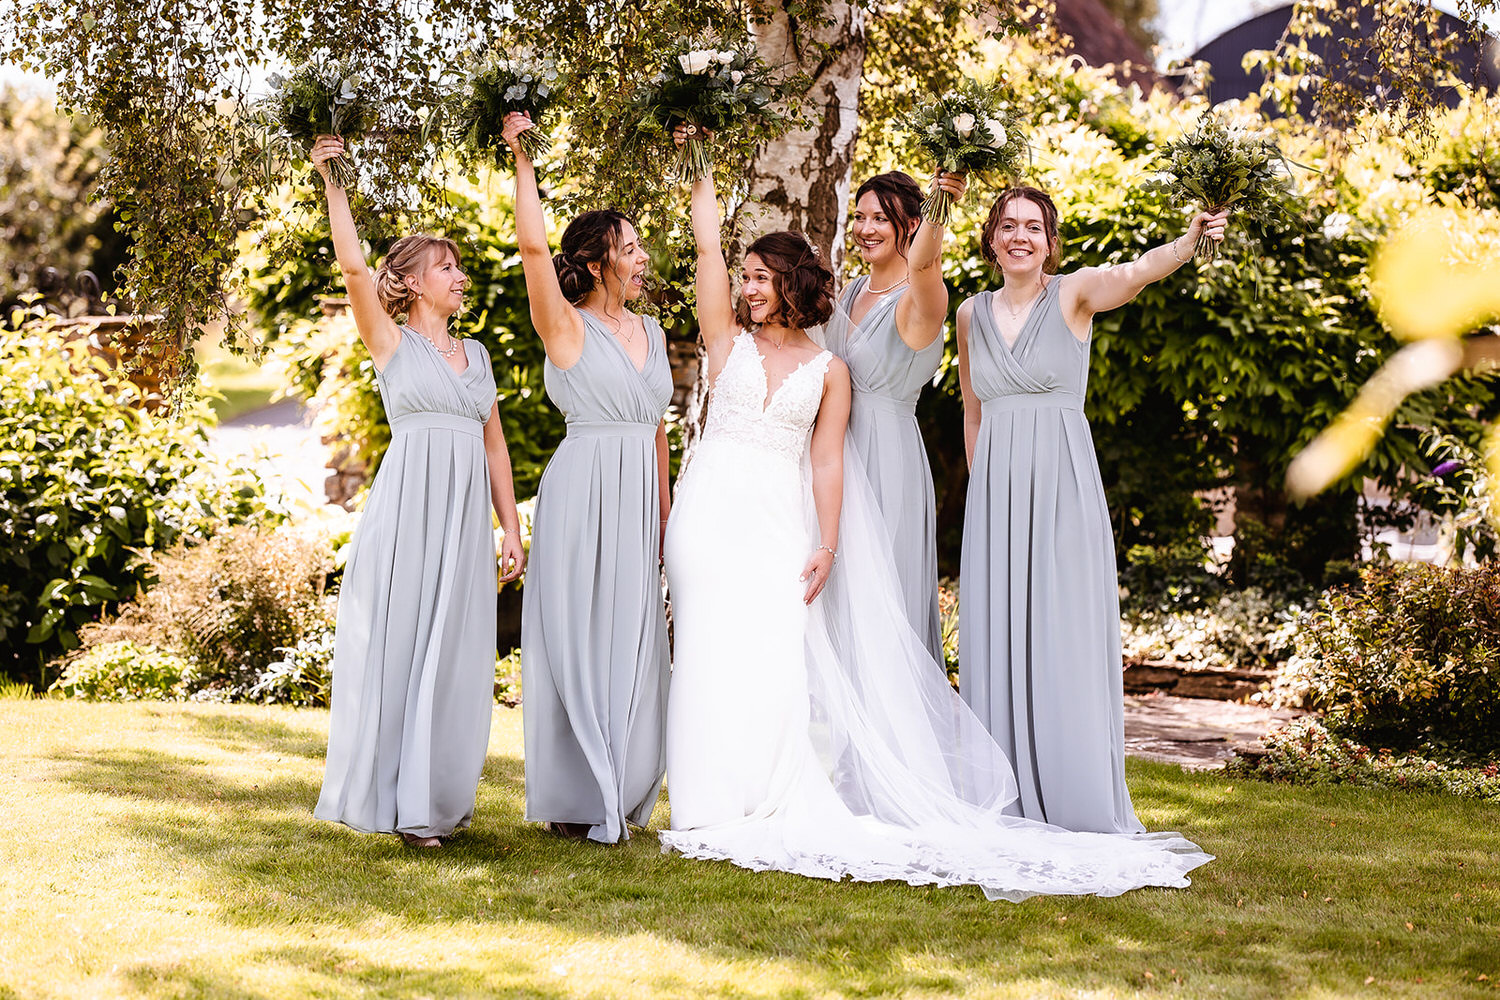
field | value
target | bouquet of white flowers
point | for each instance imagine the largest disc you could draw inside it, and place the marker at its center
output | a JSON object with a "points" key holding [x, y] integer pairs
{"points": [[968, 131], [712, 88], [498, 84], [317, 99], [1218, 165]]}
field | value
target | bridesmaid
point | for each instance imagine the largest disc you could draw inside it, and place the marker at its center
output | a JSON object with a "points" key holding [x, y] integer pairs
{"points": [[593, 623], [1039, 635], [414, 647], [889, 332]]}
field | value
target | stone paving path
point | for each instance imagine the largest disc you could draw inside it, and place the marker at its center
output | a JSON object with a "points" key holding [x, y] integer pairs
{"points": [[1197, 733]]}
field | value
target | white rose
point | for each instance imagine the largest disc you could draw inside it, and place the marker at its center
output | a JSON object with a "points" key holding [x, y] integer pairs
{"points": [[996, 131], [724, 57], [736, 76], [964, 124], [695, 62]]}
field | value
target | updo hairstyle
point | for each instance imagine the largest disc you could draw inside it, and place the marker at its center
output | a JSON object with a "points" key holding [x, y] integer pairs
{"points": [[408, 256], [803, 283], [900, 199], [1037, 197], [591, 238]]}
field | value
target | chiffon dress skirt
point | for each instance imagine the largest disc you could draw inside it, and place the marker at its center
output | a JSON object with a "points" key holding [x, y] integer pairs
{"points": [[1039, 616], [594, 666], [887, 376], [414, 648]]}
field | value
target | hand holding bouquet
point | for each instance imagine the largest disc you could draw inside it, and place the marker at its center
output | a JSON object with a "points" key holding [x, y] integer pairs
{"points": [[966, 131], [317, 99], [1218, 166], [498, 85], [711, 89]]}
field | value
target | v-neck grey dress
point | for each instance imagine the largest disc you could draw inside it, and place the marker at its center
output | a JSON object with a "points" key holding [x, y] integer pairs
{"points": [[1039, 615], [593, 623], [414, 648], [887, 376]]}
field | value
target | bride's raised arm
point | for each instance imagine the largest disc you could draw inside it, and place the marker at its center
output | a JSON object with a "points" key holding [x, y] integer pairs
{"points": [[716, 320]]}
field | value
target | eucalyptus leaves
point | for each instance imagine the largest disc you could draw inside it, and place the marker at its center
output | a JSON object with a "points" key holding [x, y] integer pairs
{"points": [[1220, 165], [968, 132], [499, 84], [316, 99], [717, 89]]}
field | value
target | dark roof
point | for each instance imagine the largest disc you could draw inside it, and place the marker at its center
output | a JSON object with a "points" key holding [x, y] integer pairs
{"points": [[1100, 39]]}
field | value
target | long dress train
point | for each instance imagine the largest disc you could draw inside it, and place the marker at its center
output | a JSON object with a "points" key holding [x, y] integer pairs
{"points": [[414, 647], [825, 740], [593, 625]]}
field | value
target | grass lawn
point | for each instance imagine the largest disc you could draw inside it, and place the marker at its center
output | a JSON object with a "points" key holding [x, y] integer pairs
{"points": [[170, 851], [243, 386]]}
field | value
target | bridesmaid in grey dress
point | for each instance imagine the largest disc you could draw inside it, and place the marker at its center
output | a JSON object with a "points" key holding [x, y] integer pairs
{"points": [[889, 331], [414, 647], [593, 623], [1039, 626]]}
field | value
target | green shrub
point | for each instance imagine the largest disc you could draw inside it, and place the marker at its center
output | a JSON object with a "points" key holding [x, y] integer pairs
{"points": [[90, 486], [125, 671], [1409, 658], [233, 604], [1304, 752], [303, 676], [1242, 629]]}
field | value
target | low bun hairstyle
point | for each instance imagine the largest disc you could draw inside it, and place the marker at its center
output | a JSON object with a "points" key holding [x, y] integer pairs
{"points": [[591, 238], [408, 256], [1037, 197], [803, 283], [900, 199]]}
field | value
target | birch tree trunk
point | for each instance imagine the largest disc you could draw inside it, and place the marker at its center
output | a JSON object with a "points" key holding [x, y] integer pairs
{"points": [[801, 181]]}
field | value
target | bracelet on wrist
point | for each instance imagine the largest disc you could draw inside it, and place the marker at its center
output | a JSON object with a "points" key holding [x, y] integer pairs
{"points": [[829, 550], [1180, 260]]}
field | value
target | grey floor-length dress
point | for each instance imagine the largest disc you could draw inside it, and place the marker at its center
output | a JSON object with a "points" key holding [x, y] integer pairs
{"points": [[887, 377], [593, 624], [1039, 617], [414, 648]]}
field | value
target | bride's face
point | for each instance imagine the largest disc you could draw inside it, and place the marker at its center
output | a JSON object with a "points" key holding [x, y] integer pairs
{"points": [[758, 289]]}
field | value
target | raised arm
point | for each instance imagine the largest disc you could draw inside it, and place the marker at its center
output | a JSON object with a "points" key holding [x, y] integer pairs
{"points": [[920, 313], [555, 319], [716, 320], [377, 330], [1093, 290], [971, 401], [827, 455]]}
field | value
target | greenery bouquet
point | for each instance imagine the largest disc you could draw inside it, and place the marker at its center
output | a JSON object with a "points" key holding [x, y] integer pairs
{"points": [[317, 99], [712, 89], [1217, 166], [968, 132], [498, 84]]}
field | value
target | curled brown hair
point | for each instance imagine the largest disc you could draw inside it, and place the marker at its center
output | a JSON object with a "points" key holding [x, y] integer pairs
{"points": [[1037, 197], [900, 199], [803, 283], [407, 256], [591, 238]]}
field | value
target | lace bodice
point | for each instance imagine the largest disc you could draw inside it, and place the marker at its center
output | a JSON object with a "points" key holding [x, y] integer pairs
{"points": [[738, 411]]}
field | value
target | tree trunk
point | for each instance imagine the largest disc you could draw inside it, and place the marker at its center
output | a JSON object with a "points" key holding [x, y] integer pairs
{"points": [[800, 181]]}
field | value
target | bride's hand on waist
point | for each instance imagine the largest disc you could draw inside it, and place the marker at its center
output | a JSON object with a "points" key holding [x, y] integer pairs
{"points": [[815, 573]]}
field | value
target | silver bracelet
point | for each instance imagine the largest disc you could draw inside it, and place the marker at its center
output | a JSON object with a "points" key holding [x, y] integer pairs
{"points": [[1180, 260], [829, 551]]}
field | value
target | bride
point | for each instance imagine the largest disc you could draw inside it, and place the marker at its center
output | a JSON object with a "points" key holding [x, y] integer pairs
{"points": [[808, 728]]}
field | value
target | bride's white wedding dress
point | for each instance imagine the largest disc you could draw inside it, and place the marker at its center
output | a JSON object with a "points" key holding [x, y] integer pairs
{"points": [[824, 740]]}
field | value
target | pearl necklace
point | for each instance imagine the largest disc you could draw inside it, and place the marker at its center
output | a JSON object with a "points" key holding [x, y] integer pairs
{"points": [[888, 288], [452, 343]]}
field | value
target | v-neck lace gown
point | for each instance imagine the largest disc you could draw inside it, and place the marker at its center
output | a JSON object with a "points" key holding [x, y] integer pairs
{"points": [[887, 376], [593, 623], [414, 649], [1039, 615]]}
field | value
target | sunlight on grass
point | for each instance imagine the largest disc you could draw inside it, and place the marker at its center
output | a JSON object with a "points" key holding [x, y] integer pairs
{"points": [[170, 851]]}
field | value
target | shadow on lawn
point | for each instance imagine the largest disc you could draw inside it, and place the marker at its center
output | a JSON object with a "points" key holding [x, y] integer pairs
{"points": [[262, 858]]}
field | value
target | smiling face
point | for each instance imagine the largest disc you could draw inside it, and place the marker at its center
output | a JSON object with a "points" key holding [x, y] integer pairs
{"points": [[440, 284], [1021, 242], [758, 290], [876, 234], [624, 277]]}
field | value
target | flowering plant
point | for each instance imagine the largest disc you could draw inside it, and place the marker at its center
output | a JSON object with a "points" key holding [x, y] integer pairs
{"points": [[498, 84], [967, 131], [1217, 166], [710, 88], [317, 99]]}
